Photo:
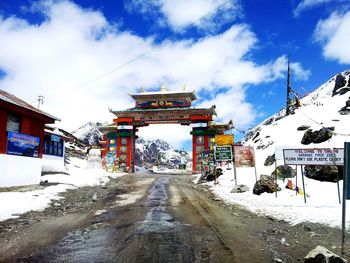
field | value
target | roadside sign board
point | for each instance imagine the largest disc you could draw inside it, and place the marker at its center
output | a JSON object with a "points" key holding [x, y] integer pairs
{"points": [[22, 144], [320, 156], [224, 139], [279, 151], [223, 153], [244, 156]]}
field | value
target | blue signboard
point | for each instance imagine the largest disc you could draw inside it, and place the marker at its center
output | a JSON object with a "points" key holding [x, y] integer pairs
{"points": [[22, 144], [55, 138]]}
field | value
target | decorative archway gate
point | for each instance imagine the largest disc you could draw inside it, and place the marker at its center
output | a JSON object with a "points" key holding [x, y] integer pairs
{"points": [[162, 107]]}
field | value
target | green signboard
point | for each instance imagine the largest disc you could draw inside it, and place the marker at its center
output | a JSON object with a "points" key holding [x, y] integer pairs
{"points": [[223, 153]]}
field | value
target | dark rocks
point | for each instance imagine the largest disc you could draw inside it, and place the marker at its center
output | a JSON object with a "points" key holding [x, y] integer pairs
{"points": [[323, 135], [270, 160], [340, 81], [241, 188], [256, 136], [303, 127], [265, 184], [308, 137], [346, 109], [344, 90], [326, 173], [210, 176], [322, 255], [284, 171], [269, 121], [319, 136], [263, 146]]}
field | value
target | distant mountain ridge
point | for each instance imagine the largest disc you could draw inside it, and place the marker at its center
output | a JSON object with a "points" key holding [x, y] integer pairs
{"points": [[89, 133], [158, 152], [147, 152]]}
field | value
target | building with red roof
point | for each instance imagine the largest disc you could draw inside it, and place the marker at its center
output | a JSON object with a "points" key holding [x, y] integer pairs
{"points": [[22, 133]]}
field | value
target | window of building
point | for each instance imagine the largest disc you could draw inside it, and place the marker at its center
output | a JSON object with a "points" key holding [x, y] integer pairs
{"points": [[52, 147], [13, 122]]}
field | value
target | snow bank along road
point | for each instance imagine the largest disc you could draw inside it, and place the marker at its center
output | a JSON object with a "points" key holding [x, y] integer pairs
{"points": [[160, 218]]}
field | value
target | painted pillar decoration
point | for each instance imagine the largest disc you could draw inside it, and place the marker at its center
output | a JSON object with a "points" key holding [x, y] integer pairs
{"points": [[104, 143], [125, 134], [200, 140]]}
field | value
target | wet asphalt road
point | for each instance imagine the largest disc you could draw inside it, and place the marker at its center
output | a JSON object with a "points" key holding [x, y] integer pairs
{"points": [[162, 218], [145, 231]]}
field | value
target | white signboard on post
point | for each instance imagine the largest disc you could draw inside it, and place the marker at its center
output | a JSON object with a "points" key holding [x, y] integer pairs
{"points": [[320, 156]]}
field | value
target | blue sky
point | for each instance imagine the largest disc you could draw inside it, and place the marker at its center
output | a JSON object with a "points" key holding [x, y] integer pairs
{"points": [[234, 57]]}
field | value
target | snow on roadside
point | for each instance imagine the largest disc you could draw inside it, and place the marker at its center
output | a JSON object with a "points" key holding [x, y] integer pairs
{"points": [[15, 203], [322, 204]]}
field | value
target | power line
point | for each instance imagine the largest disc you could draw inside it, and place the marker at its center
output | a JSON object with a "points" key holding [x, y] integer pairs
{"points": [[326, 128], [162, 44]]}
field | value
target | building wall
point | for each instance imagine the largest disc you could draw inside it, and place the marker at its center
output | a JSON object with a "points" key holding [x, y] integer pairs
{"points": [[3, 133], [29, 125], [19, 170], [52, 163]]}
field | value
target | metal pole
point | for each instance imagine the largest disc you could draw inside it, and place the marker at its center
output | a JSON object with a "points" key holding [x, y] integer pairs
{"points": [[302, 177], [253, 153], [333, 156], [235, 172], [296, 180], [346, 173], [276, 175]]}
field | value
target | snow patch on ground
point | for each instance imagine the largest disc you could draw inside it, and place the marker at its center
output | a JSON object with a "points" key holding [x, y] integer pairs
{"points": [[322, 204], [128, 199], [15, 203]]}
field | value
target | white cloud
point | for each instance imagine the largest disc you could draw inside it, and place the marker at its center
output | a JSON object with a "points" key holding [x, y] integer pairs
{"points": [[232, 104], [333, 34], [179, 14], [176, 134], [75, 45], [307, 4]]}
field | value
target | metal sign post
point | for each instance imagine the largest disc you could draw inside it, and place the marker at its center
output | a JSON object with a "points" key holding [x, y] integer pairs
{"points": [[296, 181], [339, 198], [276, 173], [346, 191], [302, 177]]}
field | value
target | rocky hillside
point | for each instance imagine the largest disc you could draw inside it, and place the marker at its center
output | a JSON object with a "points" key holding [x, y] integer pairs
{"points": [[89, 133], [323, 120]]}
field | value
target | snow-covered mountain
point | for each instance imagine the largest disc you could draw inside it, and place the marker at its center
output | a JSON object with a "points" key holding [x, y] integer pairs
{"points": [[157, 152], [148, 152], [324, 116], [89, 133]]}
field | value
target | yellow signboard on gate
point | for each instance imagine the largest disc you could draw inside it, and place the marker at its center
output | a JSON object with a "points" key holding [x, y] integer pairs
{"points": [[224, 139]]}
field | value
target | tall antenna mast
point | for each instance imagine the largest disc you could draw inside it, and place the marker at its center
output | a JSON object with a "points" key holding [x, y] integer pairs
{"points": [[289, 89]]}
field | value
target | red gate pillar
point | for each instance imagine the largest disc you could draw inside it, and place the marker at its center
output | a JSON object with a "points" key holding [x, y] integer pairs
{"points": [[200, 140], [124, 151]]}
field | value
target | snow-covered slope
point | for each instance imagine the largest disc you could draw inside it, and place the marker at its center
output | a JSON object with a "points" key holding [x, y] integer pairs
{"points": [[328, 106], [89, 133]]}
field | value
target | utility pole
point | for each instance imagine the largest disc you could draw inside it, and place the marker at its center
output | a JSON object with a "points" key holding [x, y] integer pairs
{"points": [[289, 89], [40, 100]]}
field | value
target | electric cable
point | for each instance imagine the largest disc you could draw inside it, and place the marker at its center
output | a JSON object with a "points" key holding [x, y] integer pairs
{"points": [[162, 44]]}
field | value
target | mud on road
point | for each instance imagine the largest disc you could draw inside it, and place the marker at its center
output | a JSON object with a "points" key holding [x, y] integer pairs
{"points": [[154, 218]]}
